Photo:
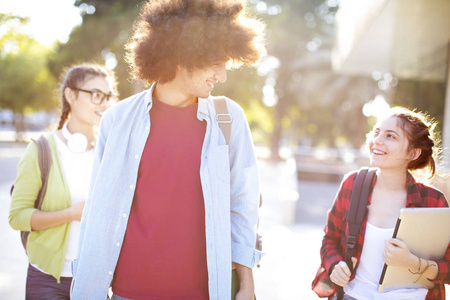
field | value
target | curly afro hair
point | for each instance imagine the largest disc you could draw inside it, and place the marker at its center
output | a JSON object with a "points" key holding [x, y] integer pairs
{"points": [[193, 34]]}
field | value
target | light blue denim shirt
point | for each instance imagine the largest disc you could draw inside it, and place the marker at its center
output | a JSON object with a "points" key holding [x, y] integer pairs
{"points": [[230, 184]]}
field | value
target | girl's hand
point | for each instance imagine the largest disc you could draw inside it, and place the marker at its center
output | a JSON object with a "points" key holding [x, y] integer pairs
{"points": [[341, 273], [76, 211], [396, 253]]}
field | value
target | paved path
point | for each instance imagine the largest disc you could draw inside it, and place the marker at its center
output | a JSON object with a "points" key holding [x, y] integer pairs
{"points": [[13, 261], [292, 237]]}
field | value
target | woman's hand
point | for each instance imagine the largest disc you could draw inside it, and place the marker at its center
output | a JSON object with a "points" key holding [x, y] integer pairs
{"points": [[41, 220], [341, 273], [396, 253], [76, 211]]}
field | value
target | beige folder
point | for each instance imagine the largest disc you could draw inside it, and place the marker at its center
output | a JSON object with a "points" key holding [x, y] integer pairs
{"points": [[426, 231]]}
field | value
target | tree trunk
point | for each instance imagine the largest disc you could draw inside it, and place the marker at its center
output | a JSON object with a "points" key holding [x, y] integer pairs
{"points": [[19, 125], [275, 141]]}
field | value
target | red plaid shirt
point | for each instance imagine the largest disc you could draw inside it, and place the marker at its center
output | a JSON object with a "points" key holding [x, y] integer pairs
{"points": [[333, 244]]}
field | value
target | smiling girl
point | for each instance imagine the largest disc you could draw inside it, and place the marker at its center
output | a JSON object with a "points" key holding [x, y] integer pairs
{"points": [[401, 147], [87, 90]]}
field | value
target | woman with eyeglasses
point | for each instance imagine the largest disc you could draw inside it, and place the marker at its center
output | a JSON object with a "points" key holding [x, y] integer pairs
{"points": [[87, 91]]}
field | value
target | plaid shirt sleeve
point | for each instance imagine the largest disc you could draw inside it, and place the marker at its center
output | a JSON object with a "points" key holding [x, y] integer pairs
{"points": [[431, 197], [443, 265], [331, 251]]}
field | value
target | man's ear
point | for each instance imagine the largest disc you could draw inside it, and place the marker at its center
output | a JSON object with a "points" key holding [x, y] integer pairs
{"points": [[415, 153], [70, 95]]}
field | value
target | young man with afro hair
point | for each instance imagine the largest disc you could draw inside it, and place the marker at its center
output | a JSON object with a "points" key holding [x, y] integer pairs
{"points": [[173, 207]]}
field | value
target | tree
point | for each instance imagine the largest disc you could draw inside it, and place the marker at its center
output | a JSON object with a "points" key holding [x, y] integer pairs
{"points": [[106, 27], [313, 105], [26, 83]]}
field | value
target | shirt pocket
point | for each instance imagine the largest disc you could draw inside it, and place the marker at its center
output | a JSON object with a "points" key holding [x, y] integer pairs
{"points": [[222, 163]]}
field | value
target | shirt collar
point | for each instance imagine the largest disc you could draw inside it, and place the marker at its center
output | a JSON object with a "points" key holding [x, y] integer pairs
{"points": [[149, 98], [202, 102]]}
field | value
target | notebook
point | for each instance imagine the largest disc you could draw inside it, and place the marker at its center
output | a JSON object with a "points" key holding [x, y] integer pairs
{"points": [[426, 231]]}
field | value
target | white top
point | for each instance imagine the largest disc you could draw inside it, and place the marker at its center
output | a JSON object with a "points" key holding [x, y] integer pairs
{"points": [[365, 284], [77, 168]]}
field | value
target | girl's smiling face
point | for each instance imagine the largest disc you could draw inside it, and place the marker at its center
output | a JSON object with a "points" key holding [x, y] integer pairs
{"points": [[389, 145]]}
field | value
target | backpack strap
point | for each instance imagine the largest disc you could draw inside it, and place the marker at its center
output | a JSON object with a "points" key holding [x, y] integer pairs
{"points": [[359, 198], [223, 118], [45, 163]]}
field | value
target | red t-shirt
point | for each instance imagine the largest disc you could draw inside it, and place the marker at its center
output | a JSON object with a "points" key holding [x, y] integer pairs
{"points": [[163, 254]]}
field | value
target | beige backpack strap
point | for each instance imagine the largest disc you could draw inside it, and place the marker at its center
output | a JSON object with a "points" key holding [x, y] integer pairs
{"points": [[223, 118]]}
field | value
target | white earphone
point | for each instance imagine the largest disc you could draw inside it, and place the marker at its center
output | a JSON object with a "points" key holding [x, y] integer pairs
{"points": [[76, 142]]}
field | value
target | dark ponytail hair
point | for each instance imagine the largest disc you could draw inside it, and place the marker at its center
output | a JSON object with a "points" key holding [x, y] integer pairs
{"points": [[75, 77], [419, 130]]}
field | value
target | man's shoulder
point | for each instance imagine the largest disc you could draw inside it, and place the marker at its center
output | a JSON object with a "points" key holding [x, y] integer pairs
{"points": [[133, 100], [233, 106], [130, 104]]}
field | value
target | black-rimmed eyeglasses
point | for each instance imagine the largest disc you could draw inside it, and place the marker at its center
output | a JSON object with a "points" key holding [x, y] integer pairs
{"points": [[97, 97]]}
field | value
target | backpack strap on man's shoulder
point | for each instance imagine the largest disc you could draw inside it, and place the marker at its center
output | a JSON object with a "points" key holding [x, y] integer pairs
{"points": [[223, 117]]}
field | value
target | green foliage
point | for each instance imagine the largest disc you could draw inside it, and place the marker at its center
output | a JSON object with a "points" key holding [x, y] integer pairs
{"points": [[26, 83], [105, 31]]}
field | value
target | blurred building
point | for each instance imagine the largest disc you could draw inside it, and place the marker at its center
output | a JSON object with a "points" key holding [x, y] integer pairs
{"points": [[406, 39]]}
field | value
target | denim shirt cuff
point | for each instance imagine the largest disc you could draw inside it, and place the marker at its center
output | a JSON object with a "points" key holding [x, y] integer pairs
{"points": [[244, 255]]}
